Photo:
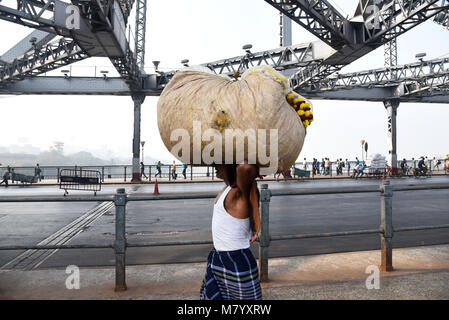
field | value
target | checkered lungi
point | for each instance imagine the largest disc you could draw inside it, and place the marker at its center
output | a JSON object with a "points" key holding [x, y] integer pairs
{"points": [[231, 275]]}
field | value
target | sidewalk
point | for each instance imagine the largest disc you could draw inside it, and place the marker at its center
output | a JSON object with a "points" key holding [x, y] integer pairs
{"points": [[420, 273]]}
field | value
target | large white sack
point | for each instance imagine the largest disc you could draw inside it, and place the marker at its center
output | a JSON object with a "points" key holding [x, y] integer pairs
{"points": [[256, 101]]}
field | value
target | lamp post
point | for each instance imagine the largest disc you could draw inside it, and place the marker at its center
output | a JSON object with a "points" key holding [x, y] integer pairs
{"points": [[142, 143], [362, 142], [366, 149]]}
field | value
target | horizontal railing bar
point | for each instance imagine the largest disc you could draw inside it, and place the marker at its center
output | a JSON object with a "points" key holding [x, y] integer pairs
{"points": [[171, 243], [324, 235], [55, 247], [441, 226], [58, 199], [208, 195], [429, 186], [199, 242], [314, 191], [172, 196]]}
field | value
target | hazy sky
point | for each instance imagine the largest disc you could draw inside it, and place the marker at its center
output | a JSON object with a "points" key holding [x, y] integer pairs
{"points": [[208, 30]]}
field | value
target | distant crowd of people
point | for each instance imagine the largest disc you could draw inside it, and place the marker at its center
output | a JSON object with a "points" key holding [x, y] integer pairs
{"points": [[9, 174], [421, 166], [325, 167], [173, 173]]}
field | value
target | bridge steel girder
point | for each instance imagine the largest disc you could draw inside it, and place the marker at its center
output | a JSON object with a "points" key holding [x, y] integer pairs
{"points": [[117, 87], [282, 59], [376, 94], [417, 71], [411, 82], [53, 55], [103, 21], [318, 17], [98, 35], [37, 38], [37, 14], [442, 18], [141, 21], [407, 14]]}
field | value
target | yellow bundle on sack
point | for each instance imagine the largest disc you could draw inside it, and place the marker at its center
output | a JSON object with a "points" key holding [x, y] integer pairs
{"points": [[204, 118]]}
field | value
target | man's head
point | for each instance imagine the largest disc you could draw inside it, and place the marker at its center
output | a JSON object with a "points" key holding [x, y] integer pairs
{"points": [[227, 172]]}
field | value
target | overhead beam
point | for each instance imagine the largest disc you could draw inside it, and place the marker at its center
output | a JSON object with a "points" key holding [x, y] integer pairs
{"points": [[53, 55], [112, 86], [282, 59], [442, 18], [38, 14], [374, 95], [35, 39], [417, 71], [318, 17], [378, 29]]}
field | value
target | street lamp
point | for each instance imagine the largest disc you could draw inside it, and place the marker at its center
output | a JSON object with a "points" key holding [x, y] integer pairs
{"points": [[247, 48], [156, 65], [66, 73], [104, 73], [420, 56], [142, 143], [362, 143], [185, 63]]}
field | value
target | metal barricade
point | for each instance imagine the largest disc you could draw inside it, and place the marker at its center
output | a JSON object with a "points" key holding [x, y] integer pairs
{"points": [[120, 199], [74, 179]]}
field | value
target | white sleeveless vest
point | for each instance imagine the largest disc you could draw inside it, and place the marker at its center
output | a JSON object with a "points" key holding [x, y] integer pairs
{"points": [[229, 233]]}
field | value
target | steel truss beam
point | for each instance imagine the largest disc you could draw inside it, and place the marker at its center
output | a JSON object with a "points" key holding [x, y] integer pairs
{"points": [[395, 17], [141, 10], [409, 82], [97, 16], [417, 71], [392, 19], [117, 87], [99, 35], [37, 38], [317, 16], [51, 56], [112, 86], [38, 14], [282, 59], [442, 18]]}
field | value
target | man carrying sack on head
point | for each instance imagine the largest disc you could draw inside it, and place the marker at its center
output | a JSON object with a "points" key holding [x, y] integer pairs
{"points": [[232, 272]]}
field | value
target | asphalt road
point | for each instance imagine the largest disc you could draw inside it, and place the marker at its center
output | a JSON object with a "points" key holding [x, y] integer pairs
{"points": [[31, 223]]}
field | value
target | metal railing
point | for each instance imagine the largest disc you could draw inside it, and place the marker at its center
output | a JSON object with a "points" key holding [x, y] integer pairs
{"points": [[120, 199], [192, 172]]}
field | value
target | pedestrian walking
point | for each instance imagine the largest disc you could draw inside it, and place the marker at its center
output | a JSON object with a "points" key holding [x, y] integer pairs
{"points": [[173, 171], [37, 172], [356, 170], [323, 164], [427, 164], [437, 163], [404, 166], [360, 170], [232, 272], [5, 178], [142, 170], [184, 169], [305, 164], [158, 168]]}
